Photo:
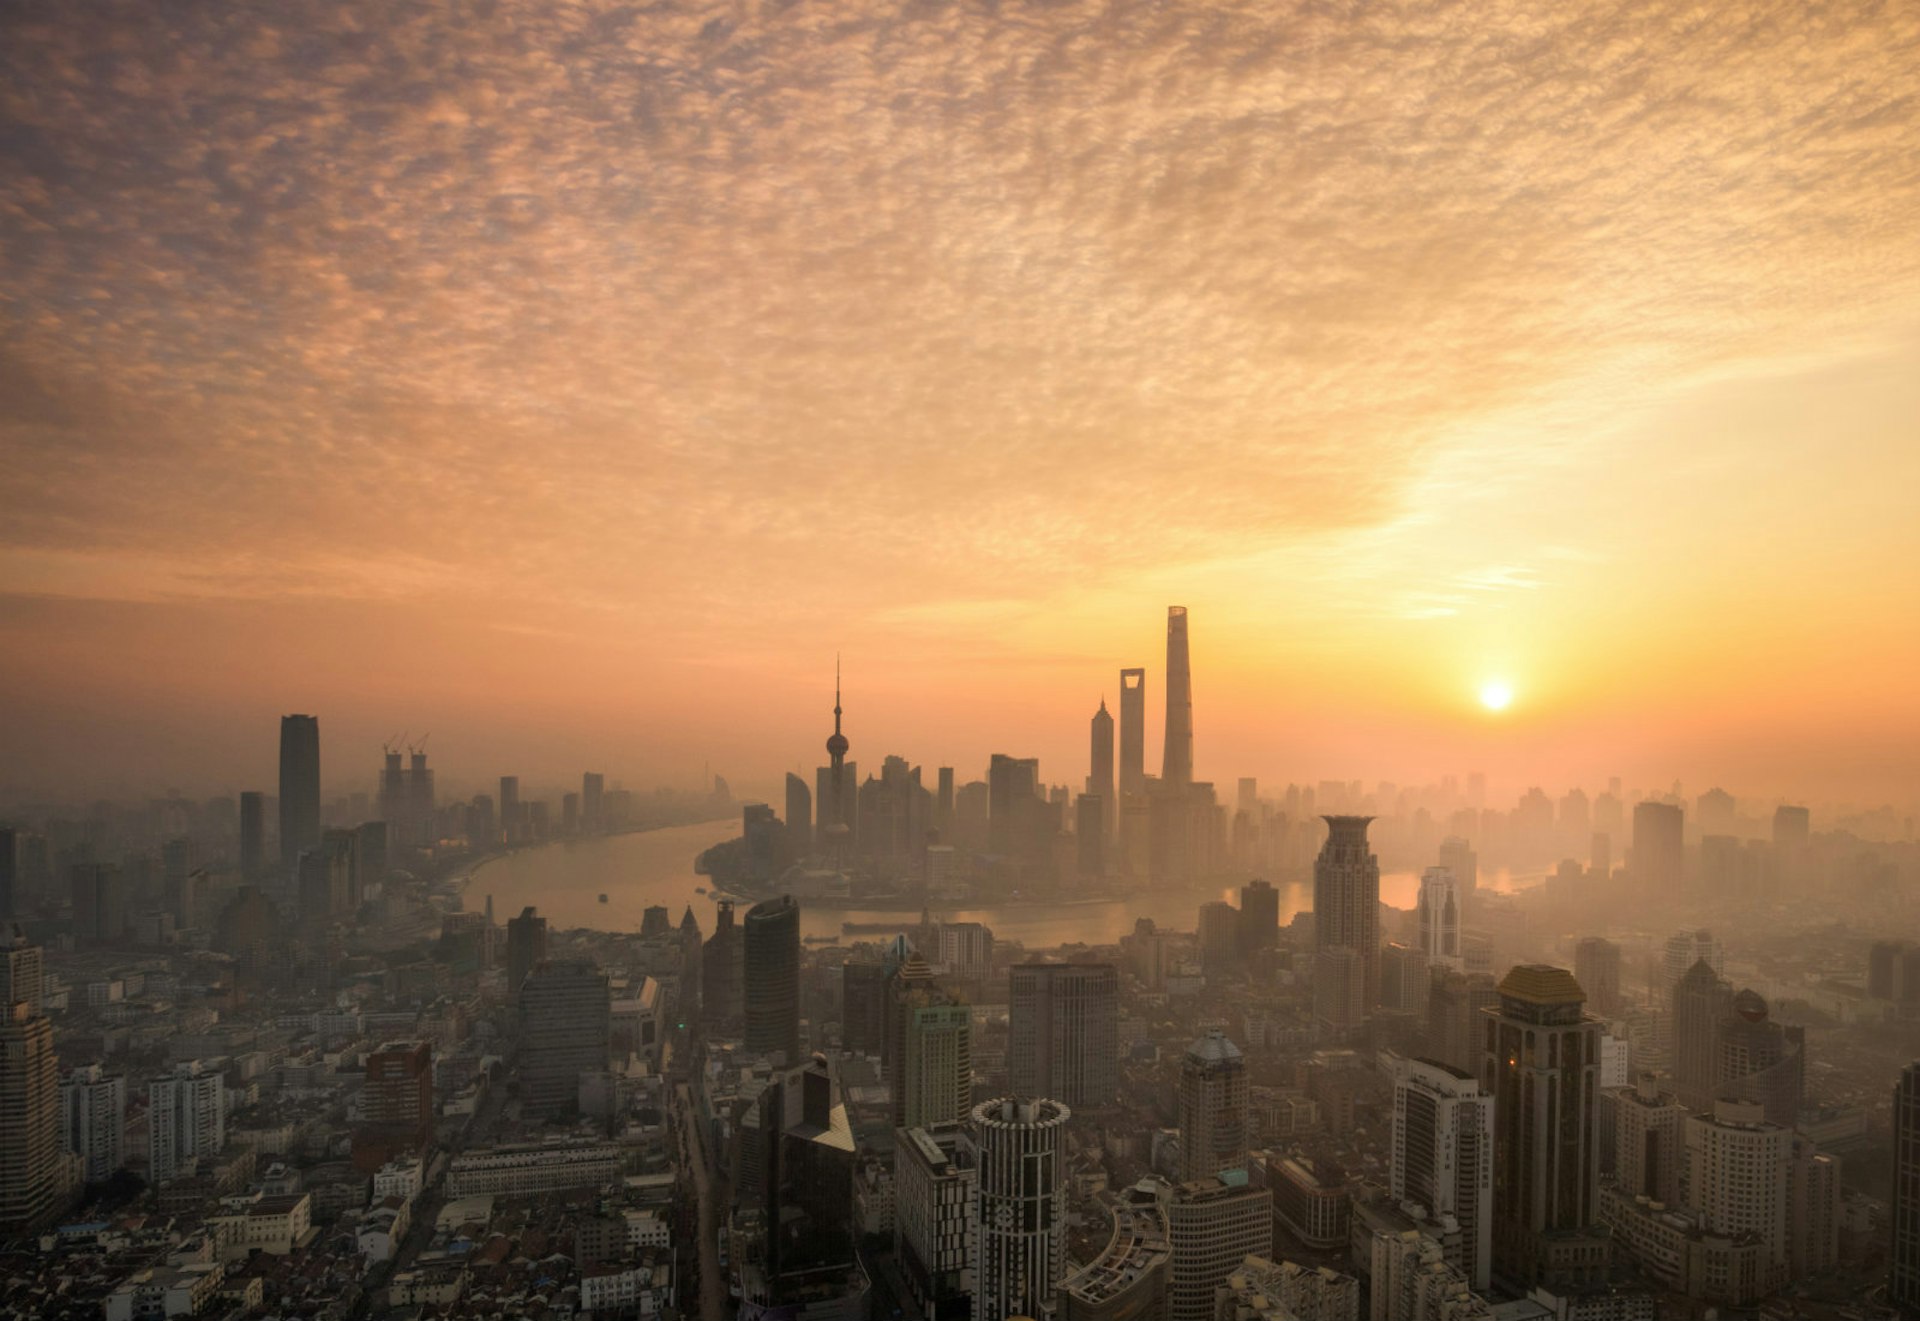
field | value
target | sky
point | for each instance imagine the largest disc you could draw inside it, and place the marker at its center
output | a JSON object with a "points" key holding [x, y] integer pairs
{"points": [[574, 381]]}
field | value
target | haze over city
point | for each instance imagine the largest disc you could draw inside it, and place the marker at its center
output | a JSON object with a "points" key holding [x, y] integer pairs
{"points": [[387, 363], [959, 660]]}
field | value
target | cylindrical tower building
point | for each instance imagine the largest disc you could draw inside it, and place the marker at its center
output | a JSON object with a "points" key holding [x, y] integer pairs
{"points": [[1020, 1212]]}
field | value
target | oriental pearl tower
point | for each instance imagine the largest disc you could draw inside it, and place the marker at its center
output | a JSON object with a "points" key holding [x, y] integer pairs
{"points": [[835, 813]]}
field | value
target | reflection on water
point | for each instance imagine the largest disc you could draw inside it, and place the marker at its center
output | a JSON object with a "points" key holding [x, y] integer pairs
{"points": [[635, 871]]}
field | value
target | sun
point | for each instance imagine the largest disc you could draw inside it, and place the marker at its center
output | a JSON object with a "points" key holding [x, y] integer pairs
{"points": [[1496, 694]]}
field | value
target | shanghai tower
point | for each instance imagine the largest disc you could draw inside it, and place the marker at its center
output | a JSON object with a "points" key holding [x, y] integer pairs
{"points": [[1176, 763]]}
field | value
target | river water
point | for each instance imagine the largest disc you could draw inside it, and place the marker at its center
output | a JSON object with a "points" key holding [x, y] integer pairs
{"points": [[635, 871]]}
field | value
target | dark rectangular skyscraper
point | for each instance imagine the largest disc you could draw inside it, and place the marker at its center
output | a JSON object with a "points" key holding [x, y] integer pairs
{"points": [[1133, 731], [510, 808], [1659, 854], [299, 789], [1176, 762], [1903, 1286], [1063, 1032], [772, 935], [253, 835]]}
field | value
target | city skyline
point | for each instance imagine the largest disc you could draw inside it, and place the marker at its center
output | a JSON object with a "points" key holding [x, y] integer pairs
{"points": [[1068, 659], [1438, 383]]}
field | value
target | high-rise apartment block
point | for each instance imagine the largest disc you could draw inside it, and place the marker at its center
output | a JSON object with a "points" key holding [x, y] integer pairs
{"points": [[1063, 1032], [1649, 1141], [1738, 1179], [1214, 1106], [1443, 1155], [93, 1120], [186, 1120]]}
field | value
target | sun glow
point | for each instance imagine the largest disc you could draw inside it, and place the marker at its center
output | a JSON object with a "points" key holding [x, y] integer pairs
{"points": [[1496, 694]]}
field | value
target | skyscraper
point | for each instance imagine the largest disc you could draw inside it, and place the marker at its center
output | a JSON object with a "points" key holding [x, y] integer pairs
{"points": [[1015, 815], [930, 1065], [771, 933], [1659, 856], [1701, 1002], [1439, 917], [12, 900], [1542, 1067], [396, 1104], [1458, 857], [1346, 907], [1649, 1147], [1133, 731], [299, 789], [1443, 1155], [1090, 835], [1100, 778], [1903, 1283], [1259, 917], [1063, 1032], [1596, 966], [566, 1014], [526, 946], [23, 973], [799, 818], [807, 1191], [593, 802], [93, 1120], [1213, 1224], [253, 836], [1213, 1108], [33, 1172], [1176, 762], [1737, 1181], [99, 902], [1020, 1212], [1758, 1060], [723, 973], [934, 1190], [511, 814]]}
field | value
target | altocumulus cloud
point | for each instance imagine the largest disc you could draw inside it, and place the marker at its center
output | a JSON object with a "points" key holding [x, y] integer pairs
{"points": [[729, 289]]}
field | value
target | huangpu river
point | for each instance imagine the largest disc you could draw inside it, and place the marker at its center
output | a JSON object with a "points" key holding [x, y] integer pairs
{"points": [[565, 880]]}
